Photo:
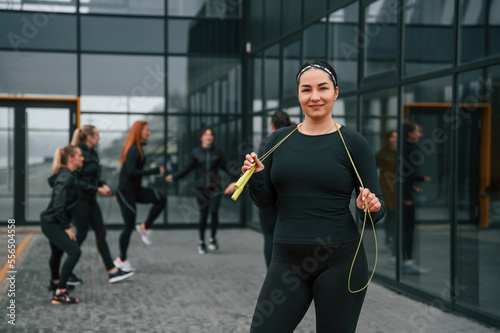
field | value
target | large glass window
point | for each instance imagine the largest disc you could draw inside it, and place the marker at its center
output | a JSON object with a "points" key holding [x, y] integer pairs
{"points": [[426, 184], [314, 9], [428, 36], [256, 13], [479, 29], [315, 41], [271, 77], [344, 45], [380, 37], [38, 73], [37, 31], [272, 20], [204, 36], [122, 7], [6, 163], [292, 16], [257, 83], [204, 85], [59, 6], [291, 65], [120, 34], [379, 127], [220, 9], [477, 121], [116, 83]]}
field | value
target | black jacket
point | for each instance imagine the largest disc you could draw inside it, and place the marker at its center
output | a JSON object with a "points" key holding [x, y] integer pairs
{"points": [[409, 176], [65, 195], [89, 174], [206, 162], [131, 172]]}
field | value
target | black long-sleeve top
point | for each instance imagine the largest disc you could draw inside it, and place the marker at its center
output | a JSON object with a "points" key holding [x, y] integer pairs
{"points": [[65, 194], [310, 180], [206, 162], [89, 174], [132, 170], [409, 176]]}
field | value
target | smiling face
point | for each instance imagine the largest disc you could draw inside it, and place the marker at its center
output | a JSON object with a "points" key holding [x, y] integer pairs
{"points": [[316, 94]]}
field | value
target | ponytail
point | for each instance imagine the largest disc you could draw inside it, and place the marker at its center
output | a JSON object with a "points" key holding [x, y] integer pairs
{"points": [[80, 134], [61, 157]]}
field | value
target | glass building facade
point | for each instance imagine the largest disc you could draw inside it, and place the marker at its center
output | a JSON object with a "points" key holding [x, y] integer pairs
{"points": [[230, 64]]}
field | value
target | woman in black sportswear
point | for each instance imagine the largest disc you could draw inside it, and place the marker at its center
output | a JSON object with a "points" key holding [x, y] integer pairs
{"points": [[131, 192], [206, 160], [310, 179], [56, 220], [87, 211]]}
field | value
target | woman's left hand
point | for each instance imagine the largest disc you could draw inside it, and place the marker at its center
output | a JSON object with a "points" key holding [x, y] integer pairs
{"points": [[370, 198], [230, 188]]}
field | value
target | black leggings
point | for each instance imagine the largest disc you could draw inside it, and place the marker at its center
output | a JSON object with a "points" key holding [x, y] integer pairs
{"points": [[60, 243], [87, 213], [127, 201], [408, 227], [208, 203], [267, 224], [299, 274]]}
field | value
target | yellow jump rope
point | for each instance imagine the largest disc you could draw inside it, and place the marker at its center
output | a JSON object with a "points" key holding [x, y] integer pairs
{"points": [[240, 185]]}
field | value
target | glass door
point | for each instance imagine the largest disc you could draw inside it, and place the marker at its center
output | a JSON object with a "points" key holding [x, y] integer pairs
{"points": [[30, 132]]}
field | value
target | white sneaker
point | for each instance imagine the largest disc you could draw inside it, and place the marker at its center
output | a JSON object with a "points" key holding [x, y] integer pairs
{"points": [[145, 233], [123, 265]]}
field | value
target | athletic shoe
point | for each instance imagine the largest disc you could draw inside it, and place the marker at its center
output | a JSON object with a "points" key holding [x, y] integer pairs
{"points": [[212, 244], [145, 233], [74, 280], [52, 286], [123, 265], [63, 298], [202, 248], [119, 275]]}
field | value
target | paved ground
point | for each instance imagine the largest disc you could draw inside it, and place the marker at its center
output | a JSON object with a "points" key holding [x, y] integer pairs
{"points": [[177, 290]]}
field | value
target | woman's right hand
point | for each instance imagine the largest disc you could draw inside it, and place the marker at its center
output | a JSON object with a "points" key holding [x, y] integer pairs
{"points": [[169, 179], [70, 233], [250, 160]]}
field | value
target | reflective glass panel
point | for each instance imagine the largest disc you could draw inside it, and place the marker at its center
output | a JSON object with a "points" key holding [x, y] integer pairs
{"points": [[123, 7], [6, 163], [429, 36], [425, 164], [220, 9]]}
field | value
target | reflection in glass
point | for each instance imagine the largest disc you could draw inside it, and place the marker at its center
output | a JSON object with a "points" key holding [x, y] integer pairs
{"points": [[380, 37], [44, 135], [194, 82], [479, 190], [479, 29], [6, 163], [344, 47], [129, 7], [114, 83], [203, 36], [315, 41], [425, 165], [59, 6], [220, 9], [429, 35], [38, 73], [291, 65], [271, 77], [380, 111]]}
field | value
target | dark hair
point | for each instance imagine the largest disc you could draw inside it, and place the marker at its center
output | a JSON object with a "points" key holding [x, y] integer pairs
{"points": [[280, 119], [409, 127], [203, 130], [315, 63], [389, 134]]}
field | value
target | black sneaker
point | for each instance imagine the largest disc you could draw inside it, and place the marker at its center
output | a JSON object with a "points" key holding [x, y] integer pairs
{"points": [[212, 244], [202, 248], [74, 280], [63, 298], [52, 286], [119, 275]]}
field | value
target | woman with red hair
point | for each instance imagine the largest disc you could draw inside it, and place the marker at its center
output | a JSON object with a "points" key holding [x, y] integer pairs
{"points": [[130, 191]]}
